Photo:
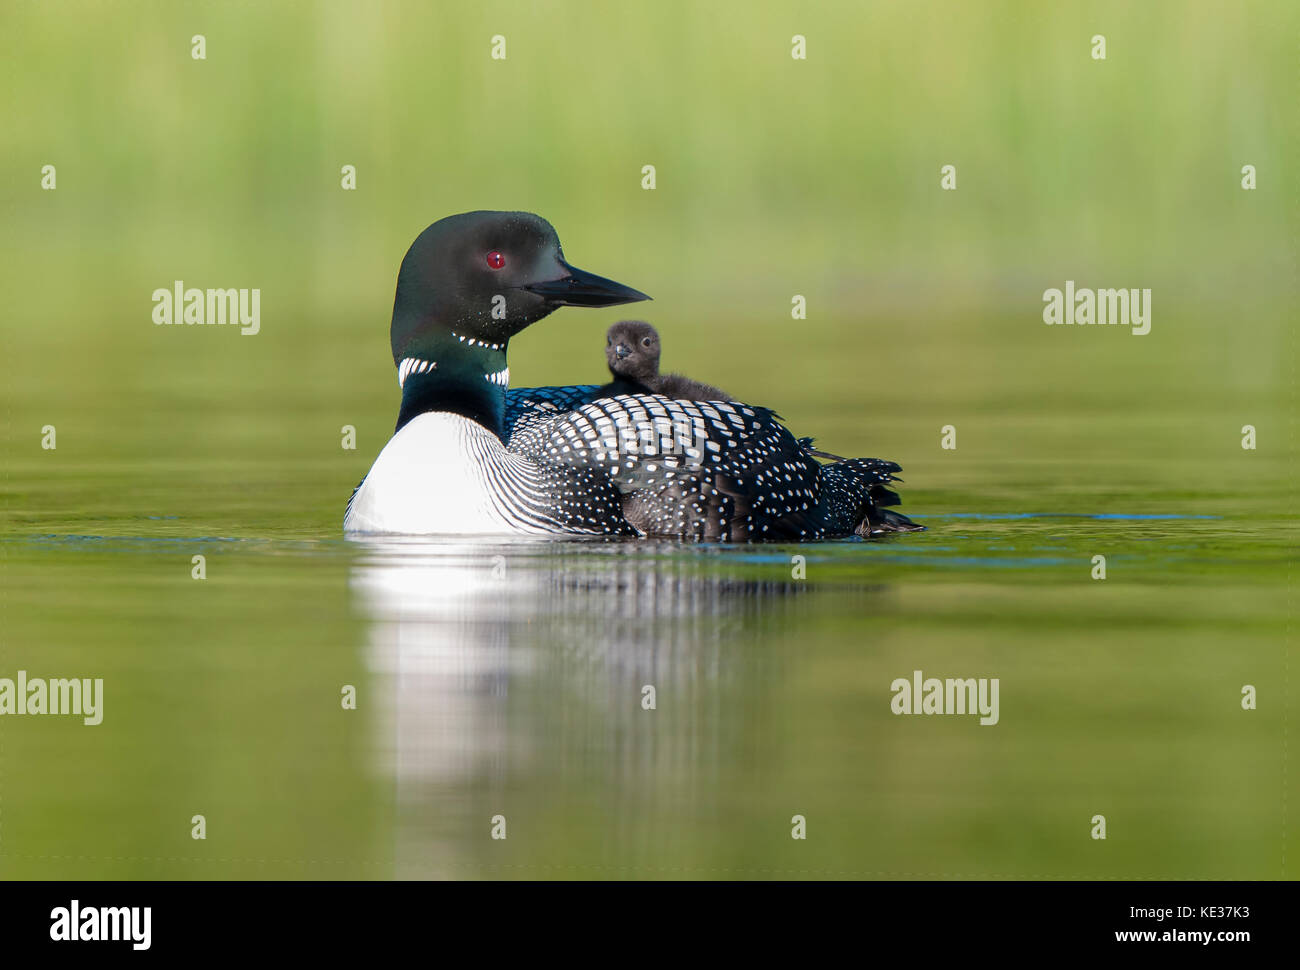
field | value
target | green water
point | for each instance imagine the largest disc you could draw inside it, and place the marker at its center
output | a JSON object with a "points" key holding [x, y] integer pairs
{"points": [[507, 678]]}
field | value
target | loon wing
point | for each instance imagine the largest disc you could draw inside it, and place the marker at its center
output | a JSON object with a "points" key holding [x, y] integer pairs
{"points": [[713, 469], [525, 406], [687, 468]]}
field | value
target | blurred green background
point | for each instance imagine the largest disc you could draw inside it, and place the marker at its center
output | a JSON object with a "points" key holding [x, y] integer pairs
{"points": [[775, 177]]}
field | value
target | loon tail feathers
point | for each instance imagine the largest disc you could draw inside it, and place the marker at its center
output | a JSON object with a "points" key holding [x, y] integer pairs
{"points": [[872, 477]]}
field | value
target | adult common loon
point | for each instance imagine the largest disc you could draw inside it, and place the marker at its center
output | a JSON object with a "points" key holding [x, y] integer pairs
{"points": [[469, 456], [632, 350]]}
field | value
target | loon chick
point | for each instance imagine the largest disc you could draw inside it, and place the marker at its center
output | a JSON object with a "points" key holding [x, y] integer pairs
{"points": [[469, 456], [632, 351]]}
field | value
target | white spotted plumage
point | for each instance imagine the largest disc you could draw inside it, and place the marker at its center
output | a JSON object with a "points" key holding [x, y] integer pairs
{"points": [[624, 465]]}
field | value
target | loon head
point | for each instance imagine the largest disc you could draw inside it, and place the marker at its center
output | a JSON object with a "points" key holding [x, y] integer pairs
{"points": [[485, 276], [632, 351], [467, 285]]}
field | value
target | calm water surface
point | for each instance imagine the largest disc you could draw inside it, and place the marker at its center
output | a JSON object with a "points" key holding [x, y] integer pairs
{"points": [[506, 678]]}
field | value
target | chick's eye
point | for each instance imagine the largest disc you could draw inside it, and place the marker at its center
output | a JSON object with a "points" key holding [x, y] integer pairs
{"points": [[646, 342], [495, 259]]}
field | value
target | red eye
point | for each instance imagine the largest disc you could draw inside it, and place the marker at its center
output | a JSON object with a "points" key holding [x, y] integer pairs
{"points": [[495, 259]]}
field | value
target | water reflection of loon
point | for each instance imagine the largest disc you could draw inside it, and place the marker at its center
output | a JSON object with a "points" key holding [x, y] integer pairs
{"points": [[510, 661]]}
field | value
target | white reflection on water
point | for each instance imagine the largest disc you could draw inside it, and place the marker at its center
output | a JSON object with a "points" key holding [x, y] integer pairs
{"points": [[509, 670]]}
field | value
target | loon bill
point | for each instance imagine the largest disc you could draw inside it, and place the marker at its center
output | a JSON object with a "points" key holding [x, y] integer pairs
{"points": [[470, 456]]}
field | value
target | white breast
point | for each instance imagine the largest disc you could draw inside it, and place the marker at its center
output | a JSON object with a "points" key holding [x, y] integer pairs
{"points": [[432, 478]]}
